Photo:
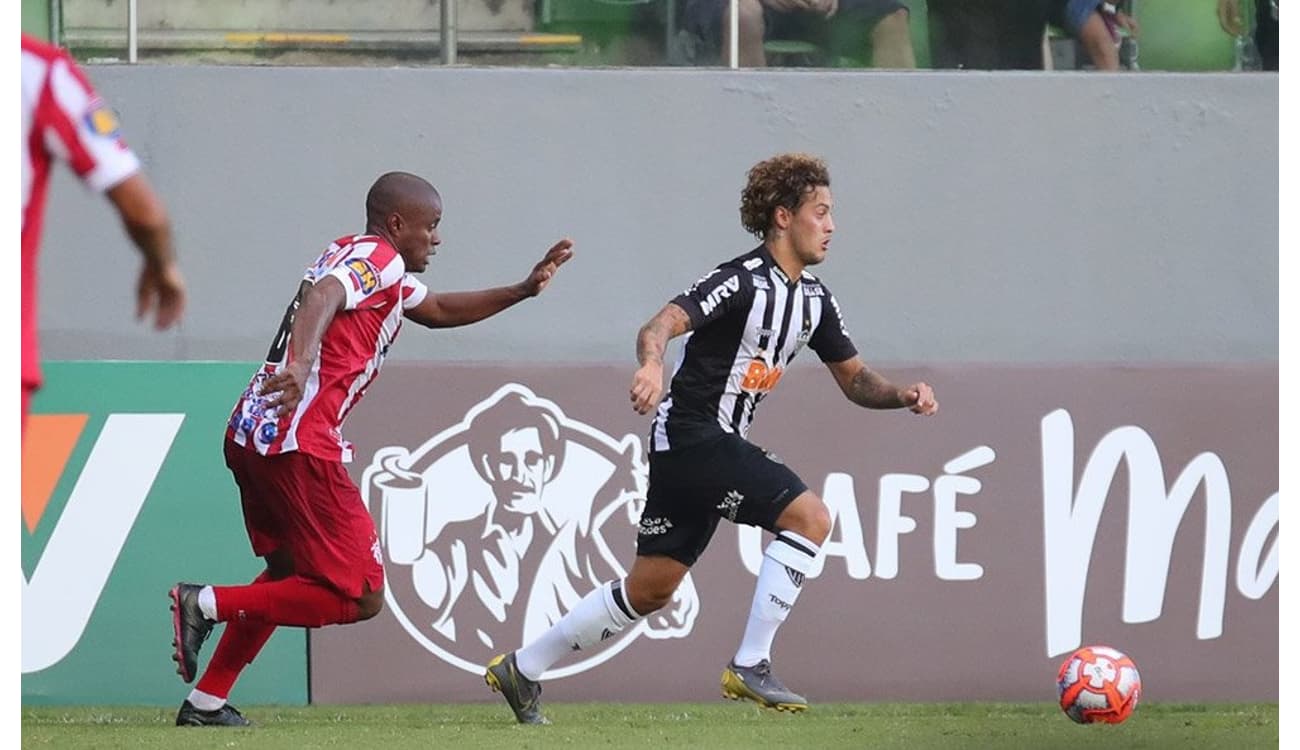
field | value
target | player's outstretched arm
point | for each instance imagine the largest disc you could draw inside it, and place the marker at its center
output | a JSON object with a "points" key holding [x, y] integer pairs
{"points": [[866, 387], [450, 309], [651, 340], [160, 288], [325, 298]]}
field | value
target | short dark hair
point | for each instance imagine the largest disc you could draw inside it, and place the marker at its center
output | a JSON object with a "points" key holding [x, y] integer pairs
{"points": [[783, 180], [394, 191]]}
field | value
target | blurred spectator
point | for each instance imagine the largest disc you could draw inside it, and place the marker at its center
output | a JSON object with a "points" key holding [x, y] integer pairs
{"points": [[988, 34], [1096, 26], [1008, 34], [841, 28], [1265, 27]]}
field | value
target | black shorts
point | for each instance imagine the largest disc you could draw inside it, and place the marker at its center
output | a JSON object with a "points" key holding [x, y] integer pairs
{"points": [[692, 487], [841, 33]]}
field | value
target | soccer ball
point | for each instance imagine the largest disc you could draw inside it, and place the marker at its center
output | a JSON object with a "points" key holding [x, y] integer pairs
{"points": [[1098, 683]]}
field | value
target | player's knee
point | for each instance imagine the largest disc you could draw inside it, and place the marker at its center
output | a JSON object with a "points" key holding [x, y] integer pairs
{"points": [[278, 569], [370, 604], [807, 517], [650, 601], [819, 523], [650, 596]]}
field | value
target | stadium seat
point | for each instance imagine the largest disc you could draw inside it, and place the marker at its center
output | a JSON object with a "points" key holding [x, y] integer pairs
{"points": [[596, 19], [797, 53]]}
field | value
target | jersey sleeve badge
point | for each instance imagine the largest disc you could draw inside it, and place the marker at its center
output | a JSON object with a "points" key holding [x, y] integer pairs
{"points": [[365, 277], [102, 121]]}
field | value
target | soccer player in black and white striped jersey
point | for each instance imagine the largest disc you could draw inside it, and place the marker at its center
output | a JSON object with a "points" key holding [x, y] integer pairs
{"points": [[744, 322]]}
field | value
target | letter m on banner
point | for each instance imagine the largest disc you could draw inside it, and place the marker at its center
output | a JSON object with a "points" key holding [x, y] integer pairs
{"points": [[62, 582]]}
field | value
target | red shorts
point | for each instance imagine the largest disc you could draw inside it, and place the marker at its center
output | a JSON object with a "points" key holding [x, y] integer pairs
{"points": [[308, 506]]}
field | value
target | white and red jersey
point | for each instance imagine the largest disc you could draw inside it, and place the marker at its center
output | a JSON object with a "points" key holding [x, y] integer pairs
{"points": [[63, 118], [351, 351]]}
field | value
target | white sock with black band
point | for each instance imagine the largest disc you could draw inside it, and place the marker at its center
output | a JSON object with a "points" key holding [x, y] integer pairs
{"points": [[598, 616], [786, 561]]}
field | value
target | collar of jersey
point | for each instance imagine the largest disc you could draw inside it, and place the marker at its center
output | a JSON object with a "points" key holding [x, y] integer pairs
{"points": [[770, 263]]}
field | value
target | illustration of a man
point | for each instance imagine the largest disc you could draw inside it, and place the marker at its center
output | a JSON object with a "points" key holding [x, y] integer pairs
{"points": [[511, 560]]}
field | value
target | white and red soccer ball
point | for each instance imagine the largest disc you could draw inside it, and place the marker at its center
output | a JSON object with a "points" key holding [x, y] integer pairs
{"points": [[1098, 683]]}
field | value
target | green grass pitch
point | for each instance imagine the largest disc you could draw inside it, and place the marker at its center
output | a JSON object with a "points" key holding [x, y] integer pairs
{"points": [[613, 725]]}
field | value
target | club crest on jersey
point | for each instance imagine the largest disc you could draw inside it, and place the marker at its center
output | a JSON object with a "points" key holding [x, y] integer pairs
{"points": [[365, 277], [102, 121], [496, 526]]}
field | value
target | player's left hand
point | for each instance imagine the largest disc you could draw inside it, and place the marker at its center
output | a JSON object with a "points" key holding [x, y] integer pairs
{"points": [[542, 273], [920, 399]]}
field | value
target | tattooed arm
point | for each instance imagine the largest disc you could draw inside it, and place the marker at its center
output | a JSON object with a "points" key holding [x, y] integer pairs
{"points": [[648, 382], [866, 387]]}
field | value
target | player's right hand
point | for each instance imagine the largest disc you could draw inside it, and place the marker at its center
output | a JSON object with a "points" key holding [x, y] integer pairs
{"points": [[160, 288], [647, 387], [286, 387]]}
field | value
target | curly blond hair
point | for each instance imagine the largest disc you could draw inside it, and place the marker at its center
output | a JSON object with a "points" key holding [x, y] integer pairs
{"points": [[783, 180]]}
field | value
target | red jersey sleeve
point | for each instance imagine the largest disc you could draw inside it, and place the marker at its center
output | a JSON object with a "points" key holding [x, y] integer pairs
{"points": [[413, 291], [79, 128]]}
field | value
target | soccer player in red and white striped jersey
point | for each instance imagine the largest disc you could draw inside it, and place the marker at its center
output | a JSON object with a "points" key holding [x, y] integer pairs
{"points": [[285, 447], [65, 119], [378, 290]]}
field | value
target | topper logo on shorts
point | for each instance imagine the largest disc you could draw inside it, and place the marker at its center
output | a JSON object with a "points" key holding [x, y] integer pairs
{"points": [[364, 275], [65, 583], [539, 502]]}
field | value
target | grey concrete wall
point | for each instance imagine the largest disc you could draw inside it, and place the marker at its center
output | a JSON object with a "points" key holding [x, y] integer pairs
{"points": [[980, 217]]}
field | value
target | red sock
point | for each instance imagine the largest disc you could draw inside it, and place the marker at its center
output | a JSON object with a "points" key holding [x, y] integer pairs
{"points": [[239, 645], [294, 601]]}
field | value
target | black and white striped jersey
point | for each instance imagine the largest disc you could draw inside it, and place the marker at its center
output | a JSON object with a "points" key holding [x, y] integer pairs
{"points": [[748, 321]]}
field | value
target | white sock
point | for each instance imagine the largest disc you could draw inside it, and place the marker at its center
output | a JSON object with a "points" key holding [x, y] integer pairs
{"points": [[599, 615], [208, 606], [786, 561], [204, 702]]}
